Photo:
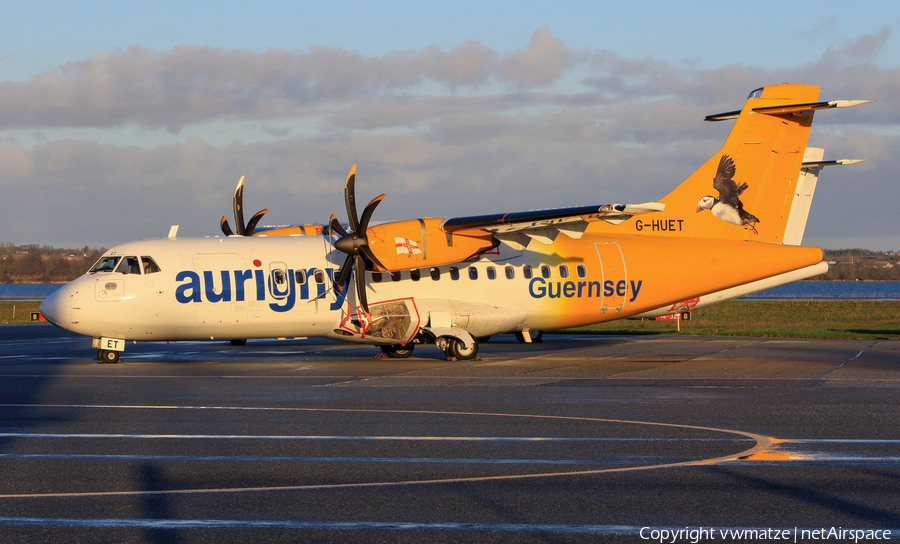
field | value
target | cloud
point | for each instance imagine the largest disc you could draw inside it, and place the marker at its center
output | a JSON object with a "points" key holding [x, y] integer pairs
{"points": [[864, 48], [190, 84], [543, 62], [443, 132], [465, 164]]}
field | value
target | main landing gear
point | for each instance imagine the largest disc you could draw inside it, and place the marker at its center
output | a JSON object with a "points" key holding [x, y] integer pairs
{"points": [[108, 357], [453, 348], [398, 352]]}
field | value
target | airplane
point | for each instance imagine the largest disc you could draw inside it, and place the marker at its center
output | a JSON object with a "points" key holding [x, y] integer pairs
{"points": [[734, 224]]}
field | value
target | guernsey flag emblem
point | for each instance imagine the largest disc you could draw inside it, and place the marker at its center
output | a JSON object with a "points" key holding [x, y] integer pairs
{"points": [[405, 246]]}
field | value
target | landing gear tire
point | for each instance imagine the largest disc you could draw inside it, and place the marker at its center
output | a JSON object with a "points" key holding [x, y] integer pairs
{"points": [[536, 336], [108, 357], [398, 352], [238, 342], [457, 350]]}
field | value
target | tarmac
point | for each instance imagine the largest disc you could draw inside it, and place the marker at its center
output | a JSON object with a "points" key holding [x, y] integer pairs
{"points": [[576, 439]]}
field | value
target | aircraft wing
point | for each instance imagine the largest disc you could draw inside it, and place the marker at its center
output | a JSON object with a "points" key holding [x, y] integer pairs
{"points": [[544, 225]]}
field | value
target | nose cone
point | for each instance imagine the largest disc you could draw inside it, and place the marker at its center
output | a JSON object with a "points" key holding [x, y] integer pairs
{"points": [[57, 307]]}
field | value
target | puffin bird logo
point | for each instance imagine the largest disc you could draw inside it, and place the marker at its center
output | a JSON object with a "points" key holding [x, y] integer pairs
{"points": [[728, 207]]}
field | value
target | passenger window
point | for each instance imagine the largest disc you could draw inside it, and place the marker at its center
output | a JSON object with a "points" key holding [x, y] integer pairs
{"points": [[415, 274], [563, 271], [454, 273], [582, 271], [149, 265], [510, 272], [300, 276], [278, 276], [376, 277], [435, 273], [395, 276], [129, 265], [526, 272], [491, 273], [320, 276], [473, 273], [545, 271]]}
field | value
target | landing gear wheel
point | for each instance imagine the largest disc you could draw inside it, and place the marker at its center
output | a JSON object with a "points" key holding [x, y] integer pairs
{"points": [[398, 352], [535, 336], [457, 350], [238, 342], [108, 356]]}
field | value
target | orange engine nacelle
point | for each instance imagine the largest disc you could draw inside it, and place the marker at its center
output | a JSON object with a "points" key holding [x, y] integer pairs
{"points": [[420, 243]]}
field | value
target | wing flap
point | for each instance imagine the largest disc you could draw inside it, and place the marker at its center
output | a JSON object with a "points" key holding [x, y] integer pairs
{"points": [[570, 221]]}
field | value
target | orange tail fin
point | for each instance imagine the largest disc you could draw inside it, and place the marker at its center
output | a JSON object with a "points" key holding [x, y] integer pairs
{"points": [[745, 191]]}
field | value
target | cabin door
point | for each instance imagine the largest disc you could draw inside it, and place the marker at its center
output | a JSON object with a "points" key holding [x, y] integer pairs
{"points": [[615, 276]]}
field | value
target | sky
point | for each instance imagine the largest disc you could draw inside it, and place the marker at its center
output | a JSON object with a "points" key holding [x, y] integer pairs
{"points": [[119, 119]]}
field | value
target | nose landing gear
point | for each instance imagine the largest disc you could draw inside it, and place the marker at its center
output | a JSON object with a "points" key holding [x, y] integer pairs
{"points": [[108, 357]]}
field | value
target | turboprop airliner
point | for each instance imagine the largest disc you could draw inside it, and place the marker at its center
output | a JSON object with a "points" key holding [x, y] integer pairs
{"points": [[733, 225]]}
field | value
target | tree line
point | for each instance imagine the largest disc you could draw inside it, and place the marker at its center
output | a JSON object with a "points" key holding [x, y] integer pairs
{"points": [[861, 265], [44, 264]]}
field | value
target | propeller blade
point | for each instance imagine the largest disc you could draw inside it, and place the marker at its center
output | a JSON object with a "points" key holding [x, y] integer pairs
{"points": [[371, 258], [336, 227], [350, 199], [361, 283], [251, 225], [226, 228], [239, 206], [342, 275], [367, 215], [355, 243]]}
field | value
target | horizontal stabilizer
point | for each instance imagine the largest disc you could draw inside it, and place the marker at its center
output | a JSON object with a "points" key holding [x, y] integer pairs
{"points": [[799, 109], [823, 164]]}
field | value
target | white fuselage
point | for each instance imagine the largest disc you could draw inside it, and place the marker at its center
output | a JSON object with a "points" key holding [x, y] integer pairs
{"points": [[241, 287]]}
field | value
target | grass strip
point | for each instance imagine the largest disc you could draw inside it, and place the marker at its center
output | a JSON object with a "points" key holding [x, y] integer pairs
{"points": [[830, 319], [22, 310]]}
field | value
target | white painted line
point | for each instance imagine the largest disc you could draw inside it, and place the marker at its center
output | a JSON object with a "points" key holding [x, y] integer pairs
{"points": [[762, 443], [362, 438]]}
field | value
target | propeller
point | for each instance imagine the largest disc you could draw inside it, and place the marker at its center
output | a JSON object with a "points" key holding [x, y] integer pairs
{"points": [[239, 215], [355, 243]]}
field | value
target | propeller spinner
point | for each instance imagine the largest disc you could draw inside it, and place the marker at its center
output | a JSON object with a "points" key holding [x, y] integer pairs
{"points": [[355, 243], [239, 215]]}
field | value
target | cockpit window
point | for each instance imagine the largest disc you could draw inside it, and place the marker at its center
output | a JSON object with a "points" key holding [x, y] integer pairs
{"points": [[129, 265], [149, 265], [105, 264]]}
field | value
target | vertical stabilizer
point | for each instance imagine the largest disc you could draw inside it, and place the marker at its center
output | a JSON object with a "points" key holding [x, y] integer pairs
{"points": [[745, 191]]}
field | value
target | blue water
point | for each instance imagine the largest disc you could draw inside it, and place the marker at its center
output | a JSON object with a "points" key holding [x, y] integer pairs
{"points": [[27, 291], [831, 290], [810, 290]]}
